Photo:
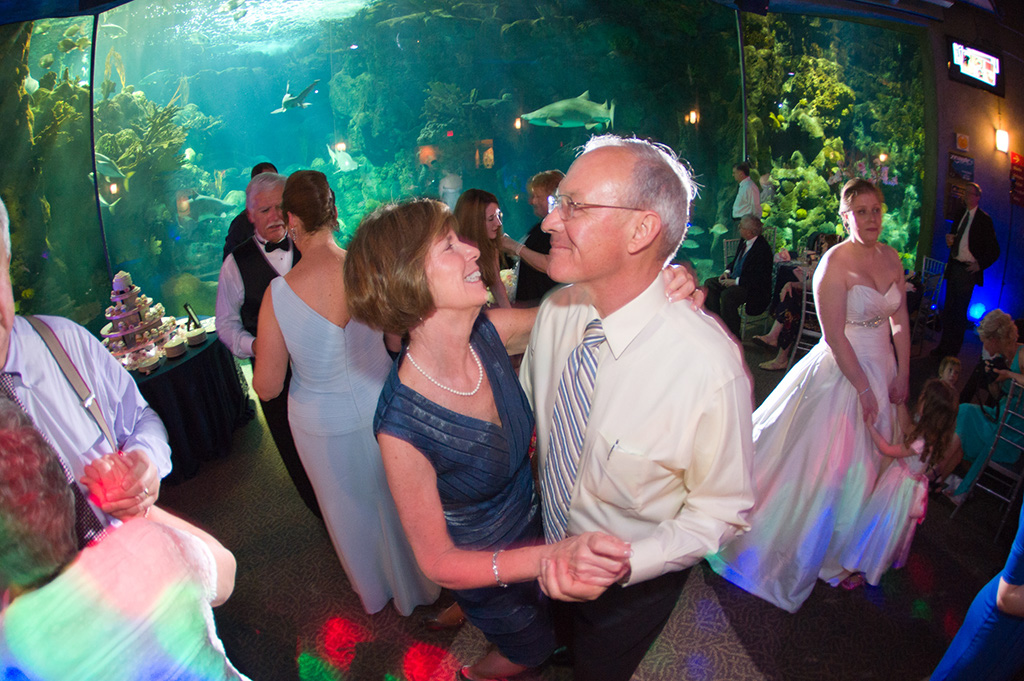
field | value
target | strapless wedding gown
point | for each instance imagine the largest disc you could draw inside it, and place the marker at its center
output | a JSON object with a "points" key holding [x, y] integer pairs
{"points": [[814, 462]]}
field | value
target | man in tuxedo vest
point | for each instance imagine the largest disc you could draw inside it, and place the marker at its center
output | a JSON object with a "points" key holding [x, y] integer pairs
{"points": [[244, 277], [973, 248]]}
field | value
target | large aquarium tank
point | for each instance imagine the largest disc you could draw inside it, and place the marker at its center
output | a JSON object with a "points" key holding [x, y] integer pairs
{"points": [[129, 136]]}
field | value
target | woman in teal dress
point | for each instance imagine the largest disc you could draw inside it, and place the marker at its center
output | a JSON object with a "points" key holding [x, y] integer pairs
{"points": [[454, 429], [976, 424]]}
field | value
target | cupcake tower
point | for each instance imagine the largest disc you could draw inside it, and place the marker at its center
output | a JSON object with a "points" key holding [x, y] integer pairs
{"points": [[137, 329]]}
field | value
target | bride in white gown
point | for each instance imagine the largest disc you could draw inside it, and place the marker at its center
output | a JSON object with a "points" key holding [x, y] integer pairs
{"points": [[814, 462]]}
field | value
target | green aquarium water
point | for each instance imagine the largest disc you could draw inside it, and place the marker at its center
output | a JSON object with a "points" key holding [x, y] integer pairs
{"points": [[175, 101]]}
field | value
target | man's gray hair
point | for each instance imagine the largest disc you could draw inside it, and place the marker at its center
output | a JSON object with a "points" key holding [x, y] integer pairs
{"points": [[753, 224], [261, 183], [660, 182], [5, 229]]}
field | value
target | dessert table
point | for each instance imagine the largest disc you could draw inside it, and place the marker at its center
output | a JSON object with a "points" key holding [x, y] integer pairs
{"points": [[202, 398]]}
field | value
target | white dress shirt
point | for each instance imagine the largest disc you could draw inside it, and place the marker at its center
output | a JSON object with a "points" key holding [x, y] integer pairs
{"points": [[666, 456], [231, 295], [58, 413], [748, 200], [964, 252]]}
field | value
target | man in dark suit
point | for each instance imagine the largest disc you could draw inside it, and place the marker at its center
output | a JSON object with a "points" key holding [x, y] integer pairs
{"points": [[973, 248], [747, 280]]}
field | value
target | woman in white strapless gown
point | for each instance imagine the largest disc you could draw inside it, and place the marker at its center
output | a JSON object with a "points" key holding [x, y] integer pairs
{"points": [[814, 462]]}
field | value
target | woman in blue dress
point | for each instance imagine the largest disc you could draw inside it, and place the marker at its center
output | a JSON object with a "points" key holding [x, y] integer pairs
{"points": [[454, 429], [990, 644]]}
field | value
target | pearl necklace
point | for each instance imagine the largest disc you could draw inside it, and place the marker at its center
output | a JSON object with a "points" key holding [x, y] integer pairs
{"points": [[463, 393]]}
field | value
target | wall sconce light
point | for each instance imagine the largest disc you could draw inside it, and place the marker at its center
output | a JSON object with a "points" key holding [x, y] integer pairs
{"points": [[883, 157], [1002, 141], [519, 124], [693, 118]]}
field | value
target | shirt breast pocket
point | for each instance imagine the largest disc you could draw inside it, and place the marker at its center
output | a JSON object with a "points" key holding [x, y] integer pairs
{"points": [[618, 473]]}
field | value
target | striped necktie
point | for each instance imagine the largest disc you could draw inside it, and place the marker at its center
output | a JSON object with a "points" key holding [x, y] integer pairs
{"points": [[568, 428], [88, 527]]}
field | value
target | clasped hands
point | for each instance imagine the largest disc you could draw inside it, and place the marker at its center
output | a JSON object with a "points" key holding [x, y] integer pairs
{"points": [[581, 568], [124, 485]]}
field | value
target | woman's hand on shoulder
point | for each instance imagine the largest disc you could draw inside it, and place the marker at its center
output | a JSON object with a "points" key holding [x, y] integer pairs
{"points": [[680, 284]]}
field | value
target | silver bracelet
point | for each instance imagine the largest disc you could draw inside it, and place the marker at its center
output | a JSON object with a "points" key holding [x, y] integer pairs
{"points": [[519, 249], [864, 391], [494, 567]]}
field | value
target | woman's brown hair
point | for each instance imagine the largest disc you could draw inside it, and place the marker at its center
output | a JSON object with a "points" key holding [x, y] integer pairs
{"points": [[471, 219], [937, 408], [385, 277], [309, 197]]}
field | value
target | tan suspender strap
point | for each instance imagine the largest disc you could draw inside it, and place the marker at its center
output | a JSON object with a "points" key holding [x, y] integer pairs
{"points": [[74, 377]]}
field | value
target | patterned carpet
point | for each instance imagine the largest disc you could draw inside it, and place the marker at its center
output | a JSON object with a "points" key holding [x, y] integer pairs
{"points": [[294, 616]]}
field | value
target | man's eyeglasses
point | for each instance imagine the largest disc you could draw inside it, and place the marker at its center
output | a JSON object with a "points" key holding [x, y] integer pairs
{"points": [[567, 207]]}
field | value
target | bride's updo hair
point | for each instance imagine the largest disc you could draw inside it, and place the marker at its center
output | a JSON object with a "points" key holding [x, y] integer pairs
{"points": [[853, 189], [308, 197]]}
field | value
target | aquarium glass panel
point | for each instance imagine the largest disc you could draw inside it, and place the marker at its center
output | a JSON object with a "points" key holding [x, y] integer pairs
{"points": [[46, 180], [829, 101], [390, 100]]}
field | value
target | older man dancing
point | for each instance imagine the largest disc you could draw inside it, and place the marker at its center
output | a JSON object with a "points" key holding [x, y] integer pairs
{"points": [[643, 408]]}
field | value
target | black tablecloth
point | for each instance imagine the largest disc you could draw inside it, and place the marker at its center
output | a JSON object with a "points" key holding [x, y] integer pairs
{"points": [[202, 398]]}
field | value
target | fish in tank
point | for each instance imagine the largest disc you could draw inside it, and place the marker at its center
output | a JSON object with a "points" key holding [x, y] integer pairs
{"points": [[141, 124]]}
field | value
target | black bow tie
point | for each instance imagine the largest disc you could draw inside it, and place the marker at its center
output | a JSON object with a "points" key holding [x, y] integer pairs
{"points": [[284, 244]]}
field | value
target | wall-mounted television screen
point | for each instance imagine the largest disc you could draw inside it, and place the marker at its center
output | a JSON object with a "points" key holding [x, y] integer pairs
{"points": [[975, 67]]}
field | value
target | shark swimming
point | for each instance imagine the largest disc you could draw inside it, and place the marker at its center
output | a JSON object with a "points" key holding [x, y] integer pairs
{"points": [[208, 207], [291, 101], [574, 113]]}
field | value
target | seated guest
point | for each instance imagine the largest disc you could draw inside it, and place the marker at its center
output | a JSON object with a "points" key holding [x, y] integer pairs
{"points": [[787, 312], [533, 280], [747, 280], [135, 605], [454, 429], [241, 228], [976, 424]]}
